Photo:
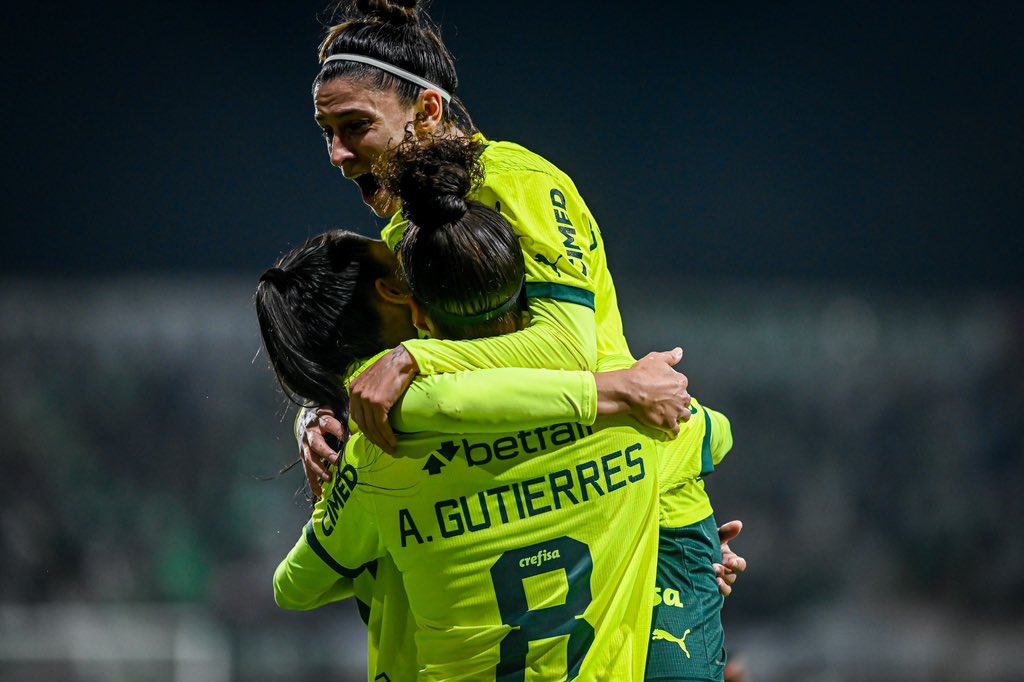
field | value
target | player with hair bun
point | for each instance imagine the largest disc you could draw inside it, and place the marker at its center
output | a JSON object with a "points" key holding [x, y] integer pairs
{"points": [[514, 521], [385, 72]]}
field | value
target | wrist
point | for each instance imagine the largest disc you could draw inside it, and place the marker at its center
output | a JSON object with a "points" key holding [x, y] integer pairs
{"points": [[306, 416], [403, 361], [613, 394]]}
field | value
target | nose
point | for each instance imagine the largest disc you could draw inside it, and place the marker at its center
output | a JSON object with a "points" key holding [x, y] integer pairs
{"points": [[340, 153]]}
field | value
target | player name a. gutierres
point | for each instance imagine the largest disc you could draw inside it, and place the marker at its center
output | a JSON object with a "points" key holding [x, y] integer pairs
{"points": [[504, 504]]}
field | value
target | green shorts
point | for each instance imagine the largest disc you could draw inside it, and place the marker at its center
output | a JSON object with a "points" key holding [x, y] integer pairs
{"points": [[687, 640]]}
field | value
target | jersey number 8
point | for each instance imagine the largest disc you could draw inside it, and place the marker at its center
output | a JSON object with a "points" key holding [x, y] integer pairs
{"points": [[509, 575]]}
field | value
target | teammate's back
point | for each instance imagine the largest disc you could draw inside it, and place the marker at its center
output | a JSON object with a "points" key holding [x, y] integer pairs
{"points": [[524, 551]]}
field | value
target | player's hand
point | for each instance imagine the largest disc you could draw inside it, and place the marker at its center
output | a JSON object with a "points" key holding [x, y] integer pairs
{"points": [[375, 392], [316, 454], [732, 564], [650, 390]]}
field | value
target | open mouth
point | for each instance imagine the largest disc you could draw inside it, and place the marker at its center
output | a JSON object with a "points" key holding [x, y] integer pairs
{"points": [[369, 187]]}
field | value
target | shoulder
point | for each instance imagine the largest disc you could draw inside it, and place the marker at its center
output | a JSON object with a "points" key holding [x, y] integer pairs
{"points": [[505, 159]]}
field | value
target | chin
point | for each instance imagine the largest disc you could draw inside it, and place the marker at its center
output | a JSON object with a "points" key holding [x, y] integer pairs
{"points": [[384, 209]]}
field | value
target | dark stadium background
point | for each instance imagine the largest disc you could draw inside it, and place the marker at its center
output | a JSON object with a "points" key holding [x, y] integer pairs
{"points": [[822, 204]]}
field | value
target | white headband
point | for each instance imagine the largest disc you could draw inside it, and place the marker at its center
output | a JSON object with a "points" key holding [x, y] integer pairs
{"points": [[390, 68]]}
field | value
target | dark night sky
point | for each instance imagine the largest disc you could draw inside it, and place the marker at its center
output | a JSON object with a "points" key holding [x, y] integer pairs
{"points": [[874, 142]]}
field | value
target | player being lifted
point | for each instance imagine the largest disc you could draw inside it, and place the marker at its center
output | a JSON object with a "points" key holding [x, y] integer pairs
{"points": [[549, 546], [385, 70]]}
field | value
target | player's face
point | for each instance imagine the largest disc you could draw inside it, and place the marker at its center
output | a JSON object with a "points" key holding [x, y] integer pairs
{"points": [[392, 299], [360, 124]]}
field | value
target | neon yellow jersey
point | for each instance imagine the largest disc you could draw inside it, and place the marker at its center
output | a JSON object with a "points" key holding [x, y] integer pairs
{"points": [[513, 399], [439, 463], [384, 607], [534, 549], [572, 296]]}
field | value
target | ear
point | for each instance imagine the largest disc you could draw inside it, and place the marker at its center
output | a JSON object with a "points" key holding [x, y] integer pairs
{"points": [[393, 290], [429, 111], [419, 316]]}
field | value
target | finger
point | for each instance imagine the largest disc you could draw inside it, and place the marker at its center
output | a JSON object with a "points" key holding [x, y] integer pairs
{"points": [[328, 424], [313, 479], [377, 430], [320, 449], [729, 531], [315, 464], [355, 409], [669, 357], [389, 437], [724, 588], [737, 564]]}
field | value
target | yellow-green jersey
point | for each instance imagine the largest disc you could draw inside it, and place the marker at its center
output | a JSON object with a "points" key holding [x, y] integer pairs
{"points": [[544, 207], [572, 297], [538, 416], [531, 550], [519, 398]]}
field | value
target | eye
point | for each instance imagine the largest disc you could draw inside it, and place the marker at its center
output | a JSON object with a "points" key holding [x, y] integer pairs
{"points": [[357, 127], [327, 133]]}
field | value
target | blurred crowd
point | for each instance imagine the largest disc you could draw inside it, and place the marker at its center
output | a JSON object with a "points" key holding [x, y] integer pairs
{"points": [[878, 449]]}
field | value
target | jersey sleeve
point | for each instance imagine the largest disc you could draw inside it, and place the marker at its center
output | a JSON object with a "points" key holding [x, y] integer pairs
{"points": [[303, 581], [720, 442], [496, 400], [561, 336], [339, 542]]}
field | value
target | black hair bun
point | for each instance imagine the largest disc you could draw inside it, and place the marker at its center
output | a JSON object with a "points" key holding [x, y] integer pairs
{"points": [[389, 11], [278, 278], [433, 178]]}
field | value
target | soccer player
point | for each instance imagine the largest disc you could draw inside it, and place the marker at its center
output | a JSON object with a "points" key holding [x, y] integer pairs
{"points": [[347, 287], [384, 71], [517, 511]]}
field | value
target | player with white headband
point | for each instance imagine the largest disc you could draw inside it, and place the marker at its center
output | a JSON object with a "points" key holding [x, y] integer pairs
{"points": [[385, 73]]}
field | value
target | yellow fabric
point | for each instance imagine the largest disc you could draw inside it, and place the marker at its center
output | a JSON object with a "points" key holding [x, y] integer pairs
{"points": [[472, 539], [562, 245], [496, 400]]}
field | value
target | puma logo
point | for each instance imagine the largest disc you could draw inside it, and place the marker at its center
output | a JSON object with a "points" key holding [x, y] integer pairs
{"points": [[669, 637], [540, 258]]}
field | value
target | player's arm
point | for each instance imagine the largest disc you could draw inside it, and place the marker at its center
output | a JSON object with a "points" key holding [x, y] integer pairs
{"points": [[493, 400], [496, 400], [721, 435], [702, 443], [335, 546], [303, 581]]}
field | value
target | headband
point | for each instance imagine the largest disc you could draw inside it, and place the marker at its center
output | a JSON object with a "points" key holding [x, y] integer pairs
{"points": [[486, 316], [392, 69]]}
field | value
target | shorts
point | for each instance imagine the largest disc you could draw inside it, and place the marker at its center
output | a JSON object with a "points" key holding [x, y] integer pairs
{"points": [[687, 640]]}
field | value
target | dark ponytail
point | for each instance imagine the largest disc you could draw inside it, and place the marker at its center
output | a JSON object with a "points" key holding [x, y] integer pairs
{"points": [[316, 316], [396, 12], [461, 259], [396, 32]]}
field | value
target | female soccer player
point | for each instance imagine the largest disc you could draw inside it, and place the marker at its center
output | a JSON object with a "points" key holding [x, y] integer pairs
{"points": [[386, 71], [459, 293]]}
